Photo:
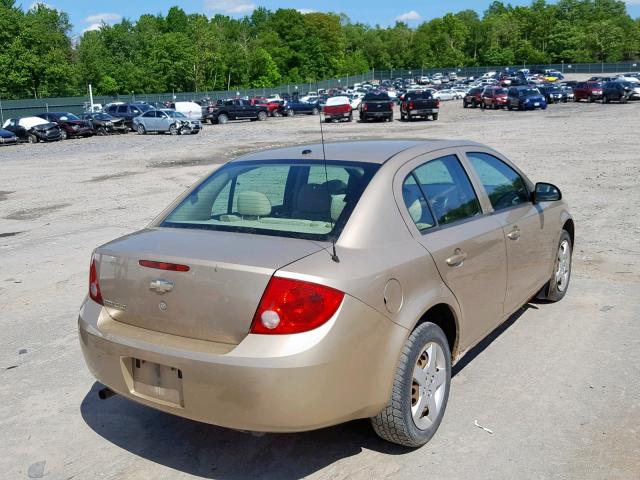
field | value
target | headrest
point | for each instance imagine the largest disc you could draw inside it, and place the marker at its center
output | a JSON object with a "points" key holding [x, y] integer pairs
{"points": [[337, 205], [412, 201], [253, 204], [313, 198], [335, 187]]}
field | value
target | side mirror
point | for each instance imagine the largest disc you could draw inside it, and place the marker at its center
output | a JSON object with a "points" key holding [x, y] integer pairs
{"points": [[546, 192]]}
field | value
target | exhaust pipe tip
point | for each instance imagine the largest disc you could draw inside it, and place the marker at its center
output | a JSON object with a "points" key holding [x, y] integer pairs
{"points": [[105, 393]]}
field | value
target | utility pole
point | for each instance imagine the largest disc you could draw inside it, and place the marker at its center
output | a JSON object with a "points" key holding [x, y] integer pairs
{"points": [[90, 99]]}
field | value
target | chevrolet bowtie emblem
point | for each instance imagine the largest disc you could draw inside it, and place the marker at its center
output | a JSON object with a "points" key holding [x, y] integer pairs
{"points": [[161, 286]]}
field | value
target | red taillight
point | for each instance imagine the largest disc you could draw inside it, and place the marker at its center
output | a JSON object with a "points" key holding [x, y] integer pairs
{"points": [[94, 282], [173, 267], [411, 105], [293, 306], [366, 107], [210, 109]]}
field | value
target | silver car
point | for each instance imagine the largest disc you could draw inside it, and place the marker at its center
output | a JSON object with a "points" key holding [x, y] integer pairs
{"points": [[164, 121]]}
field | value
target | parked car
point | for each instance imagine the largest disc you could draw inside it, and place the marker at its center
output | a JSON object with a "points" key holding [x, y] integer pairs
{"points": [[473, 98], [620, 91], [128, 111], [33, 129], [70, 125], [191, 110], [294, 317], [494, 97], [447, 94], [376, 106], [104, 124], [7, 137], [552, 93], [338, 108], [525, 98], [567, 90], [166, 121], [418, 104], [292, 108], [590, 91], [234, 109]]}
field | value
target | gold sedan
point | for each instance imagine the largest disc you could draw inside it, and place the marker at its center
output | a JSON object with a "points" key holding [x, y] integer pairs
{"points": [[291, 290]]}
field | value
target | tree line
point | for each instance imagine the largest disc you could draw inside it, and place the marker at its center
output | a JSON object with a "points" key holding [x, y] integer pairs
{"points": [[39, 57]]}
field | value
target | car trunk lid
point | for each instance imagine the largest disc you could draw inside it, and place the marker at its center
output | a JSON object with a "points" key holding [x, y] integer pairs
{"points": [[214, 300]]}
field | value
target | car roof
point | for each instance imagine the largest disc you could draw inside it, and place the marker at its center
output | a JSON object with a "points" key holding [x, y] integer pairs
{"points": [[368, 151]]}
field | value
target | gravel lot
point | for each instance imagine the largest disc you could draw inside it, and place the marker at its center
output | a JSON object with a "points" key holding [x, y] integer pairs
{"points": [[558, 384]]}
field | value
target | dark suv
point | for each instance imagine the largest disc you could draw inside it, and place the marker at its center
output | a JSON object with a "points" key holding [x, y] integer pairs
{"points": [[620, 91], [473, 97], [128, 111]]}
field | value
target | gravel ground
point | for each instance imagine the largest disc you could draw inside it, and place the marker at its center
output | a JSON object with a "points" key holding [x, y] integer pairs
{"points": [[557, 384]]}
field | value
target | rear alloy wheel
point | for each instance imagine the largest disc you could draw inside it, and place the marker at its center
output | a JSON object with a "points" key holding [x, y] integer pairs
{"points": [[173, 129], [262, 116], [420, 389], [222, 119], [559, 283], [141, 129], [32, 138]]}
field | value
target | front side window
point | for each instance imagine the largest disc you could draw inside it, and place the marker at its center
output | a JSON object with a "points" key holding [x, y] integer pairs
{"points": [[283, 198], [447, 190], [503, 184]]}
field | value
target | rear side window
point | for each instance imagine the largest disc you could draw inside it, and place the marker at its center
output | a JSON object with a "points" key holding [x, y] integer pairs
{"points": [[504, 186], [447, 190], [283, 198]]}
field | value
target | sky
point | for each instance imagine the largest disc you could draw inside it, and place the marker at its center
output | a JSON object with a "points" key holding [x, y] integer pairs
{"points": [[90, 14]]}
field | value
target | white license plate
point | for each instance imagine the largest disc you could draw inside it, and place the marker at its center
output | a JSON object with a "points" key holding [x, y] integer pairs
{"points": [[537, 104], [414, 112]]}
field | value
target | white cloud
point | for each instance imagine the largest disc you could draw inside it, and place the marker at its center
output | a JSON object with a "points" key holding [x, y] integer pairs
{"points": [[411, 16], [103, 17], [632, 2], [92, 27], [232, 7], [306, 10]]}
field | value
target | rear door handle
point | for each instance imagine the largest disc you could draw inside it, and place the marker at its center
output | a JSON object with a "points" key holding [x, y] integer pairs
{"points": [[514, 234], [457, 258]]}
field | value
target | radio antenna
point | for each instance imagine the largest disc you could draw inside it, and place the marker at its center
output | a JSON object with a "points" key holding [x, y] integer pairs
{"points": [[334, 254]]}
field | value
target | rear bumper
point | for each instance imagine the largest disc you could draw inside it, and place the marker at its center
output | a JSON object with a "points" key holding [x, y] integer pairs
{"points": [[283, 383], [374, 115]]}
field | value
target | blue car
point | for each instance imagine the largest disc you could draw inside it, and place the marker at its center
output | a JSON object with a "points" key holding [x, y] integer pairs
{"points": [[309, 108], [525, 98]]}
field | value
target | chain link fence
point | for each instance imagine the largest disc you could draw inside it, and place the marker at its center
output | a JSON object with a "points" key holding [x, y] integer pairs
{"points": [[23, 108]]}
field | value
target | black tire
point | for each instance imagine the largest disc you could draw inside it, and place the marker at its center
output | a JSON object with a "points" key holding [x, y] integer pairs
{"points": [[623, 99], [474, 104], [434, 117], [554, 291], [101, 131], [395, 422], [464, 104], [63, 134], [605, 99], [262, 116], [483, 106], [291, 113], [509, 107], [409, 117], [173, 129], [315, 111], [31, 138], [390, 119], [222, 119], [402, 117], [350, 118], [141, 130], [590, 99]]}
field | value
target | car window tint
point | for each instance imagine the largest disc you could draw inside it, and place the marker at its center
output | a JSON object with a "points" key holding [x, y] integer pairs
{"points": [[416, 204], [122, 109], [448, 190], [503, 184]]}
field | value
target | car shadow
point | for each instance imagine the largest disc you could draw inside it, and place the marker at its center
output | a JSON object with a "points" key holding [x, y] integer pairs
{"points": [[489, 339], [215, 452]]}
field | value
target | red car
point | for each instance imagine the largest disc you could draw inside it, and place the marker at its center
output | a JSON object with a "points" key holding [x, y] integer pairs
{"points": [[473, 97], [590, 91], [338, 108], [273, 106], [494, 97]]}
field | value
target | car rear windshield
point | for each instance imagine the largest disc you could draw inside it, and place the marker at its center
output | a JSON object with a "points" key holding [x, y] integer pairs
{"points": [[288, 198], [369, 97]]}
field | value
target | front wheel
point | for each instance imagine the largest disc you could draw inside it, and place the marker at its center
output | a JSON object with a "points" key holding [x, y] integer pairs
{"points": [[558, 285], [173, 129], [141, 129], [31, 138], [262, 116], [63, 134], [420, 389]]}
